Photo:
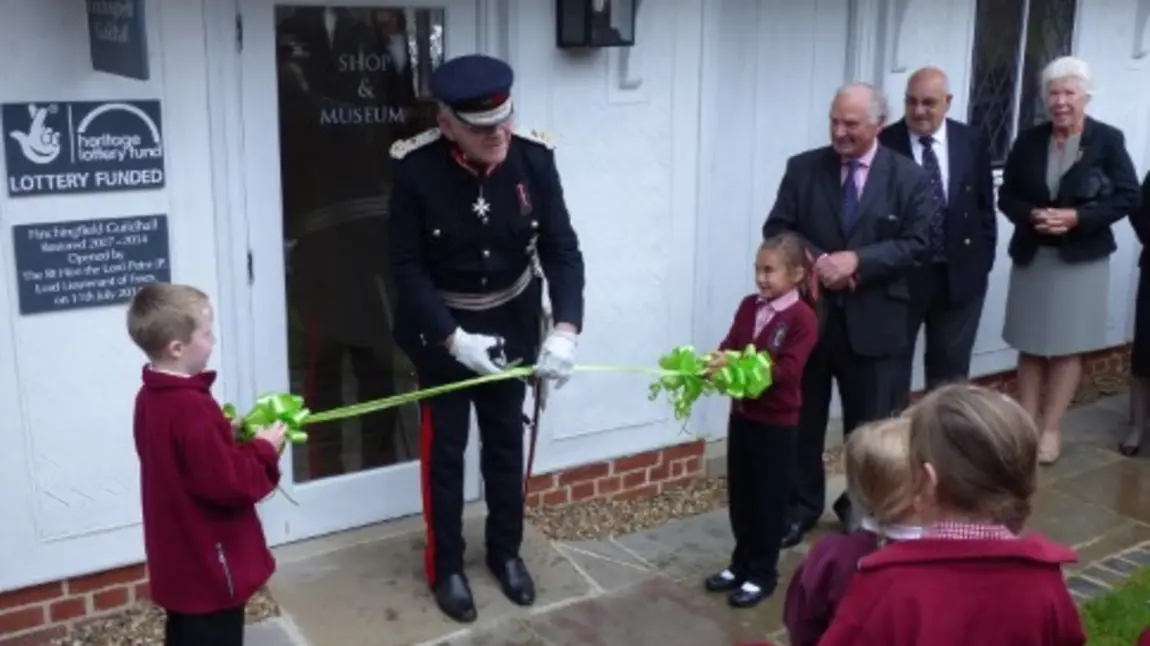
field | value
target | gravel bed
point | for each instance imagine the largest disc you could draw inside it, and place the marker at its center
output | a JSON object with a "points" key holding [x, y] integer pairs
{"points": [[597, 519], [143, 625]]}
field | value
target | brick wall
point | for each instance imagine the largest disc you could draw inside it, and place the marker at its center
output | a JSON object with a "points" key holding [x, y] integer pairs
{"points": [[630, 477], [36, 615]]}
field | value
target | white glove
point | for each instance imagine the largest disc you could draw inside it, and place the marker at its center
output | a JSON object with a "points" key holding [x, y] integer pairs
{"points": [[557, 358], [472, 350]]}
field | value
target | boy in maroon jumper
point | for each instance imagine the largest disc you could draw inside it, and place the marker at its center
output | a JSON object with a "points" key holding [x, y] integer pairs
{"points": [[970, 579], [204, 543], [762, 434]]}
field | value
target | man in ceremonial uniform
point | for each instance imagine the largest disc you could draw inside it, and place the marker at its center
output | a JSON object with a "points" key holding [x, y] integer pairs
{"points": [[478, 221]]}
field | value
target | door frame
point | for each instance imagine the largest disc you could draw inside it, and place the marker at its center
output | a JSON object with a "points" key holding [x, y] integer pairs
{"points": [[242, 260]]}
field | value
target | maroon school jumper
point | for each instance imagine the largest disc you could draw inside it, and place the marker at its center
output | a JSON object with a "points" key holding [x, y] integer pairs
{"points": [[203, 539], [788, 338], [947, 592]]}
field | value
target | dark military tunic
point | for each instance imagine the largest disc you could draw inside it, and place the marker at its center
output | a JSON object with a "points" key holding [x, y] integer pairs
{"points": [[439, 243], [460, 236]]}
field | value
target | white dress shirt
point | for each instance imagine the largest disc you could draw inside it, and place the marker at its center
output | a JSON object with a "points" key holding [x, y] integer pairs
{"points": [[941, 151]]}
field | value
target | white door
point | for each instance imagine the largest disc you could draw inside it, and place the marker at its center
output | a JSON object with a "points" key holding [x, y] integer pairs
{"points": [[327, 87]]}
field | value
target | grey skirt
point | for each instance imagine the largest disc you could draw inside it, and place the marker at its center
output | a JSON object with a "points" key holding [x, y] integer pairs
{"points": [[1054, 308]]}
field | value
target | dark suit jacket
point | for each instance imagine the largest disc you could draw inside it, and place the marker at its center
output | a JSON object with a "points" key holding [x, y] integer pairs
{"points": [[971, 224], [1102, 186], [891, 233]]}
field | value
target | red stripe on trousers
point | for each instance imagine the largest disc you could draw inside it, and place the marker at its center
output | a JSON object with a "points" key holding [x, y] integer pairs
{"points": [[426, 433]]}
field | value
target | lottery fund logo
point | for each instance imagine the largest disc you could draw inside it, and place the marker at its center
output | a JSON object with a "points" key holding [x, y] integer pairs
{"points": [[113, 146], [40, 143], [69, 147]]}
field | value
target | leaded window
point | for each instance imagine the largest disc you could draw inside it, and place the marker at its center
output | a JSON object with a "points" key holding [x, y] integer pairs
{"points": [[1013, 41]]}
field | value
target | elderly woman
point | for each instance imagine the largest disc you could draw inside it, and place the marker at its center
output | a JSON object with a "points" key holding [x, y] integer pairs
{"points": [[1064, 186]]}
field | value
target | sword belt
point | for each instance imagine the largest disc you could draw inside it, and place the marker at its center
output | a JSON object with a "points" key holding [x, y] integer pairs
{"points": [[488, 300]]}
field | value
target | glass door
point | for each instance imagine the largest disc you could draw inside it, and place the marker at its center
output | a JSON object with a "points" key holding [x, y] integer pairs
{"points": [[327, 88]]}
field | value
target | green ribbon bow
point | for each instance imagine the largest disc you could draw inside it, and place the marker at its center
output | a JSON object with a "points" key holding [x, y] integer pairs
{"points": [[686, 377], [746, 375], [269, 409]]}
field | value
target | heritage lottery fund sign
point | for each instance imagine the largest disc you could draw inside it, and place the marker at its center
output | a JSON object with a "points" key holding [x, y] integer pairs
{"points": [[89, 263], [82, 147]]}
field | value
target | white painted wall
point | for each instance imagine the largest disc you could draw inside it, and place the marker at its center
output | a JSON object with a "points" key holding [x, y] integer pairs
{"points": [[69, 493], [628, 163], [770, 71]]}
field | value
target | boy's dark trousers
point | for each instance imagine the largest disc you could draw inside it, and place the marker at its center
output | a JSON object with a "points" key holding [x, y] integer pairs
{"points": [[761, 461], [222, 628]]}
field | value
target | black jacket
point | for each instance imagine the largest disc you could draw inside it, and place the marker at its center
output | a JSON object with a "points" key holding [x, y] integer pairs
{"points": [[1101, 186], [971, 224]]}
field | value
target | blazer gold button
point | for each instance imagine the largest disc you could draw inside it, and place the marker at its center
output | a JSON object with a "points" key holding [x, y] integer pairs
{"points": [[486, 253], [535, 224], [966, 241], [436, 233], [482, 281], [969, 188]]}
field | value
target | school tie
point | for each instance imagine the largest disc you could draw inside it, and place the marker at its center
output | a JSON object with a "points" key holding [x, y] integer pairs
{"points": [[930, 165], [851, 195]]}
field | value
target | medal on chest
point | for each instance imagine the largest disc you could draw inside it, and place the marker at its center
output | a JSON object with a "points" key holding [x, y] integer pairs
{"points": [[481, 207]]}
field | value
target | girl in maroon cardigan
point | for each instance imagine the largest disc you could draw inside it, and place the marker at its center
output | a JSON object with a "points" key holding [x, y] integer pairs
{"points": [[969, 579], [881, 488], [762, 433]]}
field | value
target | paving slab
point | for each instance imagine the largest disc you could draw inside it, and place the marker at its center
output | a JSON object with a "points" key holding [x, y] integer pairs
{"points": [[375, 592], [1069, 520], [1100, 424], [1077, 459], [272, 632], [1122, 487], [657, 612], [605, 574]]}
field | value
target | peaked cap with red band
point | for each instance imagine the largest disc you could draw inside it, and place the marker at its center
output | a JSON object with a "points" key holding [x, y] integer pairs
{"points": [[477, 88]]}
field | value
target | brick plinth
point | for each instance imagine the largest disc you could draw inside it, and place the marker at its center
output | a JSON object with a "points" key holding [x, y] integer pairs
{"points": [[630, 477], [1106, 362], [36, 615]]}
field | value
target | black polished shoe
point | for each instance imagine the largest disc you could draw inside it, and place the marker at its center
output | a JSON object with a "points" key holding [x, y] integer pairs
{"points": [[453, 595], [794, 534], [724, 581], [1129, 450], [514, 580], [748, 595]]}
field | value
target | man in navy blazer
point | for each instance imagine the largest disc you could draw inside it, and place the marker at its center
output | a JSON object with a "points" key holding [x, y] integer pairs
{"points": [[949, 284]]}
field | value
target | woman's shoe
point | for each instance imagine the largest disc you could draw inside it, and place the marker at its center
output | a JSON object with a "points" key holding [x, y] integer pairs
{"points": [[1049, 448], [1128, 450]]}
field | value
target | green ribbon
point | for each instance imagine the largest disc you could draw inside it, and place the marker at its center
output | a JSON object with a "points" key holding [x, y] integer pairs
{"points": [[683, 375], [746, 375], [269, 409]]}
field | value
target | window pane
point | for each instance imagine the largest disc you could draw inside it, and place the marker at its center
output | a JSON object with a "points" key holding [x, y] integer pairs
{"points": [[997, 41], [352, 80], [1049, 34]]}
